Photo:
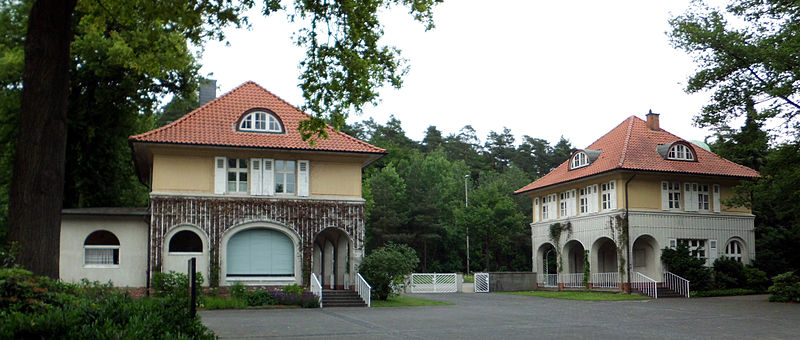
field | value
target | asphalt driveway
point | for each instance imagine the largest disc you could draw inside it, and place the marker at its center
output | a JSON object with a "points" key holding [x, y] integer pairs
{"points": [[503, 316]]}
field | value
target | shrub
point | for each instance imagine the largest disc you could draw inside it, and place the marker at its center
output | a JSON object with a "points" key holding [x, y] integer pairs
{"points": [[216, 302], [386, 266], [785, 288], [756, 279], [304, 299], [723, 292], [35, 307], [728, 274], [293, 289], [680, 262], [238, 290], [175, 284], [260, 298]]}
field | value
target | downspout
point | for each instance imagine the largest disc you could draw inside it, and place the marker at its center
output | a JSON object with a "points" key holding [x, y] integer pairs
{"points": [[628, 232]]}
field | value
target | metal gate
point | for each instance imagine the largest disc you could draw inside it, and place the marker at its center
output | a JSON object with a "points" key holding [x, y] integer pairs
{"points": [[481, 282], [433, 283]]}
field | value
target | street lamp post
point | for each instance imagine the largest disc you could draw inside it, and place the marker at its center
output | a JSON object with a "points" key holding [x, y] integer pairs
{"points": [[466, 204]]}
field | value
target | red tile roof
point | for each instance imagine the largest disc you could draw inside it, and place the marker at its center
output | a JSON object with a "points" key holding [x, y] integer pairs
{"points": [[215, 123], [633, 146]]}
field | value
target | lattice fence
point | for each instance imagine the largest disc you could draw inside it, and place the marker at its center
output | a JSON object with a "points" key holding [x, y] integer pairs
{"points": [[433, 283], [481, 282]]}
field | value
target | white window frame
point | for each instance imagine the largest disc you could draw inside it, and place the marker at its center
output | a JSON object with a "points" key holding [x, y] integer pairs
{"points": [[260, 121], [731, 250], [680, 152], [671, 193], [579, 160], [703, 198], [108, 247], [608, 196], [697, 247], [239, 172], [563, 204], [281, 173], [583, 201]]}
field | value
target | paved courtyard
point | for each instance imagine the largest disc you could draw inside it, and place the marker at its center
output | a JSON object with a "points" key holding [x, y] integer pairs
{"points": [[503, 316]]}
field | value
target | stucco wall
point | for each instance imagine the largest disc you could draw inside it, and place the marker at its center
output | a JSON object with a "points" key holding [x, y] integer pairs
{"points": [[132, 234], [184, 170]]}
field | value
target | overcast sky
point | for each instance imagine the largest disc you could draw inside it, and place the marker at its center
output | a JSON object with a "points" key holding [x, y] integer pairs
{"points": [[541, 68]]}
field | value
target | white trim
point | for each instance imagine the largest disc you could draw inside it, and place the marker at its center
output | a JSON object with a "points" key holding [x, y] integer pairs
{"points": [[223, 253], [250, 122]]}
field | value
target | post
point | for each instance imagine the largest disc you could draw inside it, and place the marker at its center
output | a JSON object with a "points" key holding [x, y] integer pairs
{"points": [[466, 204], [193, 287]]}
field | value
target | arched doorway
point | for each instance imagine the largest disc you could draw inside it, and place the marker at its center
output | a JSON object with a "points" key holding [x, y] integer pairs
{"points": [[573, 252], [547, 262], [331, 260], [605, 259], [646, 257]]}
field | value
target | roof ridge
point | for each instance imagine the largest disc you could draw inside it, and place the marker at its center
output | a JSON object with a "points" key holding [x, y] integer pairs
{"points": [[191, 113], [625, 144]]}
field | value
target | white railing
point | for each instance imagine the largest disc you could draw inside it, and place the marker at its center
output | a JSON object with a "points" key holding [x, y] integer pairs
{"points": [[677, 283], [645, 285], [605, 280], [316, 288], [571, 280], [549, 280], [364, 289], [433, 283]]}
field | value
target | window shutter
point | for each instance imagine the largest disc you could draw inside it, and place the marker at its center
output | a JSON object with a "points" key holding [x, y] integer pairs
{"points": [[712, 251], [268, 177], [612, 186], [536, 209], [220, 175], [664, 195], [673, 243], [302, 178], [688, 202], [717, 203], [573, 203], [595, 199], [255, 176]]}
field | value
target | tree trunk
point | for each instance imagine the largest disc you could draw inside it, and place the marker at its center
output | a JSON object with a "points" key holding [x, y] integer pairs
{"points": [[37, 184]]}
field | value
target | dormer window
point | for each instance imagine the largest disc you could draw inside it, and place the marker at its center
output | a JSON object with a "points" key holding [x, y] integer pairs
{"points": [[260, 121], [680, 152], [579, 160]]}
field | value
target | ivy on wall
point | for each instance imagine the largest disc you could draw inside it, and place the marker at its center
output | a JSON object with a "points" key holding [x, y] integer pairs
{"points": [[556, 229]]}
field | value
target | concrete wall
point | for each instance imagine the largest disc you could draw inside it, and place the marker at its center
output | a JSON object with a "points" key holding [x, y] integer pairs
{"points": [[177, 262], [132, 234], [511, 281], [183, 170]]}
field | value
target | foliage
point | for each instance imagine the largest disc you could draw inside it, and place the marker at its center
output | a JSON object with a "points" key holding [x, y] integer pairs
{"points": [[680, 262], [408, 301], [786, 288], [8, 255], [387, 266], [38, 307], [587, 271], [293, 289], [756, 279], [175, 284], [724, 292], [555, 236], [468, 278], [238, 290], [581, 295], [729, 273], [260, 298], [219, 302]]}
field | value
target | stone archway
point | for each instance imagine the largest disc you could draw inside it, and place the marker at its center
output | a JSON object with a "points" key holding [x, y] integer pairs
{"points": [[605, 256], [646, 256], [332, 258], [573, 257]]}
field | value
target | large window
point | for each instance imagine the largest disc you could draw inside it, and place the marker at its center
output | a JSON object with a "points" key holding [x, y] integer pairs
{"points": [[702, 197], [237, 175], [101, 248], [588, 200], [734, 250], [185, 241], [672, 191], [260, 252], [285, 177], [608, 196], [697, 248], [680, 152], [579, 160], [260, 122], [549, 207]]}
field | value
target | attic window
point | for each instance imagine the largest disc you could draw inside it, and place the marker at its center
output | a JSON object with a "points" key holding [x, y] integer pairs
{"points": [[579, 160], [680, 152], [260, 121]]}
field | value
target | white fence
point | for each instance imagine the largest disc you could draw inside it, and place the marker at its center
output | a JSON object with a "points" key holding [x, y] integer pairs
{"points": [[677, 283], [645, 285], [364, 290], [549, 280], [433, 283], [481, 282], [571, 280], [316, 288], [605, 280]]}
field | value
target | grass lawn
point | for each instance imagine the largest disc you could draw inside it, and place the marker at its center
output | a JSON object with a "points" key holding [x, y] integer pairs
{"points": [[407, 301], [585, 296]]}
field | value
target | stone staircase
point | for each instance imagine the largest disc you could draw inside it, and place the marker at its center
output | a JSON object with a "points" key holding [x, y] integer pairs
{"points": [[341, 298], [666, 292]]}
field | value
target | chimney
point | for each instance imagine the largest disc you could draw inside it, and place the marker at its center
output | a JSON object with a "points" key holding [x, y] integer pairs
{"points": [[208, 90], [652, 121]]}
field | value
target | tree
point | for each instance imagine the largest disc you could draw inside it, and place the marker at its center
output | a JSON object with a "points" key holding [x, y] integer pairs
{"points": [[753, 59], [387, 266], [433, 139], [386, 208], [345, 65], [500, 149]]}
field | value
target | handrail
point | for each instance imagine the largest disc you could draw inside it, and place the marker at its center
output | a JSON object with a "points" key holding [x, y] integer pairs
{"points": [[364, 290], [316, 288], [677, 284], [645, 285]]}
